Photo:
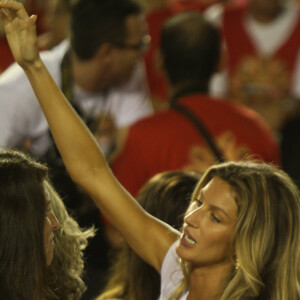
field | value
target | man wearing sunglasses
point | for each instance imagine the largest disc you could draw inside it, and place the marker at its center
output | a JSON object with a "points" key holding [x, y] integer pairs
{"points": [[99, 70]]}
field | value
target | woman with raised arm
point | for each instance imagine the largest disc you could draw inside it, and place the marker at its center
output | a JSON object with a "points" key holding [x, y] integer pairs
{"points": [[241, 232]]}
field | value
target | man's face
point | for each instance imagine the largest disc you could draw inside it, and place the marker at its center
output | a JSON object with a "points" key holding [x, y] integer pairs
{"points": [[266, 7], [129, 52]]}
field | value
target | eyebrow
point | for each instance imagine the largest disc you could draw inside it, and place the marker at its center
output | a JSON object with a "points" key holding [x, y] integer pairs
{"points": [[220, 209]]}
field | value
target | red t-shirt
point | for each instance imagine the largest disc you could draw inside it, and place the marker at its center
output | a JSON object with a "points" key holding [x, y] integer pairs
{"points": [[240, 45], [6, 57], [168, 141]]}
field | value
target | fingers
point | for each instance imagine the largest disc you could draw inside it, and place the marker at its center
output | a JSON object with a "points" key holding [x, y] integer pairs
{"points": [[16, 7], [31, 21], [4, 13], [31, 25], [4, 16], [10, 10]]}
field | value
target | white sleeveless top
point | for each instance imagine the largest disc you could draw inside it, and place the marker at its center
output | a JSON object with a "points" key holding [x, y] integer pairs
{"points": [[171, 274]]}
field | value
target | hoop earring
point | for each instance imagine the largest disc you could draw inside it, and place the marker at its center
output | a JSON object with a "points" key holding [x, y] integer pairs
{"points": [[237, 264]]}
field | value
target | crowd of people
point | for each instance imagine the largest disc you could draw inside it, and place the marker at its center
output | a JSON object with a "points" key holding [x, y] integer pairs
{"points": [[149, 149]]}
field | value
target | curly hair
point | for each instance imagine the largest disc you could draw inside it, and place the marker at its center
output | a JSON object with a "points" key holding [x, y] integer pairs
{"points": [[66, 269], [266, 237]]}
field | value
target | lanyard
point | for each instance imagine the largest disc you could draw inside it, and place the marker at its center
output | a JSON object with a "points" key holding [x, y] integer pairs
{"points": [[66, 75], [194, 119]]}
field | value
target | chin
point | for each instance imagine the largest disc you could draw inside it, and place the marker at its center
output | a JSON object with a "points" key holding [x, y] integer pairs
{"points": [[49, 261], [184, 253], [49, 258]]}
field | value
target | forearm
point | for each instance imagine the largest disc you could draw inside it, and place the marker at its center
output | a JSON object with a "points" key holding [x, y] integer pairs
{"points": [[76, 144]]}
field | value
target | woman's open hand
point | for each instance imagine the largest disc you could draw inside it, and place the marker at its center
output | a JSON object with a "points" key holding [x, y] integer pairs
{"points": [[20, 32]]}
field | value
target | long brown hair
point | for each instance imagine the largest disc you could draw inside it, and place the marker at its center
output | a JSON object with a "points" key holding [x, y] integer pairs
{"points": [[22, 213]]}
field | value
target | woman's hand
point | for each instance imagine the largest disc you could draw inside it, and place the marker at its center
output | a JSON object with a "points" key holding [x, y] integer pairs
{"points": [[20, 32]]}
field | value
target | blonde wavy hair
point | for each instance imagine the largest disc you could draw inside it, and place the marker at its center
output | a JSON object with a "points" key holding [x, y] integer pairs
{"points": [[64, 280], [266, 237]]}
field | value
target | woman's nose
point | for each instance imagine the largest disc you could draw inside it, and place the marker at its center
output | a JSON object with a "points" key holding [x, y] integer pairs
{"points": [[193, 217], [54, 222]]}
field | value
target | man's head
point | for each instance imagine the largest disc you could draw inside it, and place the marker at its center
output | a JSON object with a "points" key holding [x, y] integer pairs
{"points": [[266, 10], [115, 27], [190, 48]]}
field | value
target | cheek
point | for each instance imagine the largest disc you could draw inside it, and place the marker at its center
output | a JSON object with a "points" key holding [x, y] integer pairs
{"points": [[47, 229], [216, 247], [217, 236]]}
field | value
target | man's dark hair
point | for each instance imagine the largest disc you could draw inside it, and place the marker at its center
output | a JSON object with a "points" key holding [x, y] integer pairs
{"points": [[95, 22], [190, 47]]}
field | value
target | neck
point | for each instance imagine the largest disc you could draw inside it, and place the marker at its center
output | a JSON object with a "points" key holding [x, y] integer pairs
{"points": [[208, 283], [188, 88], [88, 74], [266, 16]]}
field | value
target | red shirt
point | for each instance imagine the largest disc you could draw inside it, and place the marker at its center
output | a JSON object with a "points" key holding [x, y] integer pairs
{"points": [[6, 57], [240, 45], [167, 141]]}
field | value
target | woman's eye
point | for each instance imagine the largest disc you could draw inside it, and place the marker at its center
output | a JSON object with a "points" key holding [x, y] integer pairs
{"points": [[198, 202], [215, 219]]}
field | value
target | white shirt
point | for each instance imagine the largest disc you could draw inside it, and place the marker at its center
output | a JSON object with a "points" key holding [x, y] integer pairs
{"points": [[21, 116], [267, 38], [171, 274]]}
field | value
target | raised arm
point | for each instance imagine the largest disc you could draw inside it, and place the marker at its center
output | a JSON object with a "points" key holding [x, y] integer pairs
{"points": [[149, 237]]}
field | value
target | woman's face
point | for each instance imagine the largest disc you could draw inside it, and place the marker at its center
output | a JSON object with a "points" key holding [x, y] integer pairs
{"points": [[208, 225], [50, 225]]}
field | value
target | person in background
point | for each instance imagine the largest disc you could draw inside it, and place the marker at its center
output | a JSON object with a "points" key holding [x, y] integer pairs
{"points": [[100, 70], [166, 197], [261, 65], [27, 224], [190, 48], [155, 17], [241, 231], [41, 255]]}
